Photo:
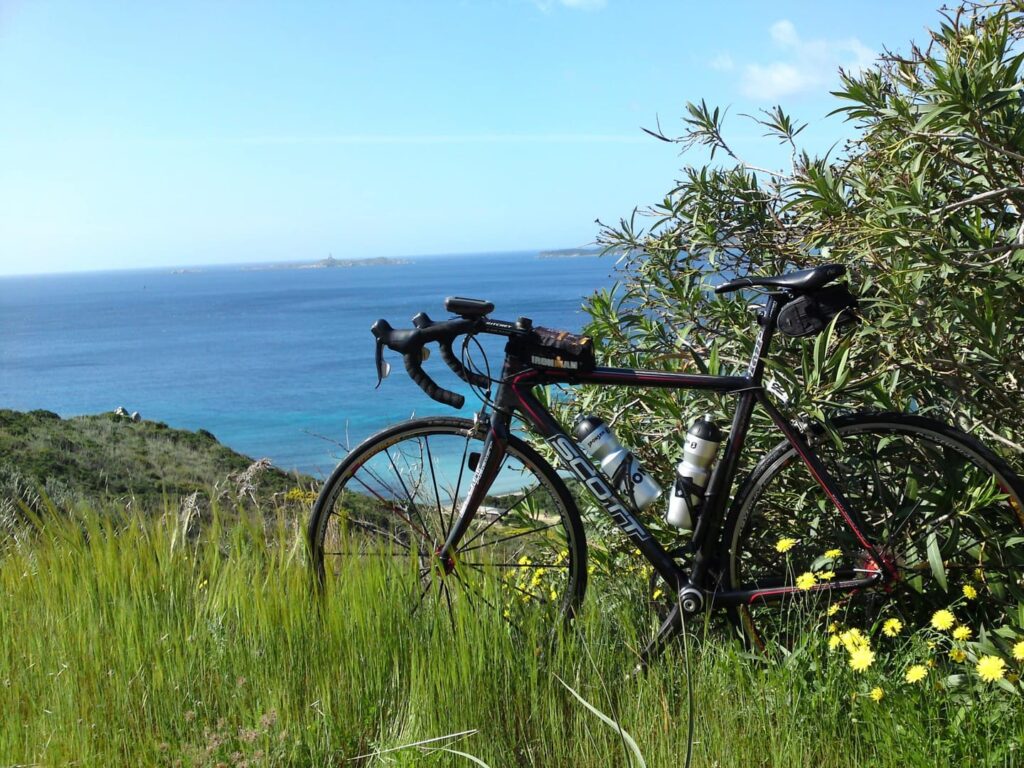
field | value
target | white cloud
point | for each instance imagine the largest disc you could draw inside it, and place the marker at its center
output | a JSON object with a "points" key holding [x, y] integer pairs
{"points": [[467, 138], [723, 63], [784, 33], [777, 79], [576, 5], [803, 65]]}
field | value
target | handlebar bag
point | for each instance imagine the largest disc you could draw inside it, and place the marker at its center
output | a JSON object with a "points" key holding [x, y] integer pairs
{"points": [[811, 313], [560, 350]]}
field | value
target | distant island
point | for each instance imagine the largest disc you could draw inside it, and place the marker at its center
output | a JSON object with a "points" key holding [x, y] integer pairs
{"points": [[332, 263], [578, 253]]}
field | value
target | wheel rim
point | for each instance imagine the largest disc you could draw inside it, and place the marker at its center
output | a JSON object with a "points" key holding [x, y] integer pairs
{"points": [[395, 503], [943, 516]]}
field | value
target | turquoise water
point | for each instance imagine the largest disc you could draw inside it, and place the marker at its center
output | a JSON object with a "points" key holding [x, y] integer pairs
{"points": [[276, 363]]}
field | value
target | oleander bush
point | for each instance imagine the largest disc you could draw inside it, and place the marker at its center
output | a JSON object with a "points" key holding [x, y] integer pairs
{"points": [[924, 207]]}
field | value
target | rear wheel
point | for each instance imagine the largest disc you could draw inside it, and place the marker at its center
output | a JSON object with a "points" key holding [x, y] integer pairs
{"points": [[944, 510], [391, 503]]}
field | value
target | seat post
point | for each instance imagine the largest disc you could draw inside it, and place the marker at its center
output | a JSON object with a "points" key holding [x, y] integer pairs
{"points": [[769, 318]]}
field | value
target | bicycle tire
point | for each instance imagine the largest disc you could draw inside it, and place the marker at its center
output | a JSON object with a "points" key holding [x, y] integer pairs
{"points": [[959, 535], [525, 550]]}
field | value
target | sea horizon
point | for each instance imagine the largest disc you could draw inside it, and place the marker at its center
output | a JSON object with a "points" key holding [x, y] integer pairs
{"points": [[274, 363], [291, 263]]}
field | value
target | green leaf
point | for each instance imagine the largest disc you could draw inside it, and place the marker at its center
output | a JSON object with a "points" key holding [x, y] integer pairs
{"points": [[935, 561]]}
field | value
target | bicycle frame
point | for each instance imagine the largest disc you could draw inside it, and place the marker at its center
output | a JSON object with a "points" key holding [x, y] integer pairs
{"points": [[515, 394]]}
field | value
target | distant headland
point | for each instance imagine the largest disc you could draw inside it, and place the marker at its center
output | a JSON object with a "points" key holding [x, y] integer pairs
{"points": [[578, 253], [332, 263]]}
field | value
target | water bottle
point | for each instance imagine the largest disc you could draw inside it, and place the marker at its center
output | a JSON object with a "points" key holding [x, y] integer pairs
{"points": [[617, 463], [702, 441]]}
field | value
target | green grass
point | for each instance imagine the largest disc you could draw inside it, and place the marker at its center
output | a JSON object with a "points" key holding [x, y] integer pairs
{"points": [[125, 644]]}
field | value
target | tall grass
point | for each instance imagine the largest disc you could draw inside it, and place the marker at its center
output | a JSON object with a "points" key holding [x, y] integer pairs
{"points": [[125, 644]]}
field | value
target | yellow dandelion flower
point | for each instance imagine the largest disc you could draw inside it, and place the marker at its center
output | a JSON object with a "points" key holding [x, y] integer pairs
{"points": [[833, 609], [1018, 651], [861, 659], [991, 668], [833, 628], [979, 574], [524, 560], [785, 544], [877, 694], [970, 592], [962, 633], [958, 655], [852, 639], [832, 554], [806, 580], [943, 619], [834, 642], [892, 627], [554, 595], [827, 575], [916, 673], [657, 593]]}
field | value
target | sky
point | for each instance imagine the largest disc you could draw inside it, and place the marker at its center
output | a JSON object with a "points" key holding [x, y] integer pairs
{"points": [[189, 133]]}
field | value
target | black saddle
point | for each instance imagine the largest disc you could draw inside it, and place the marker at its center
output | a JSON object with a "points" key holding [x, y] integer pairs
{"points": [[801, 281]]}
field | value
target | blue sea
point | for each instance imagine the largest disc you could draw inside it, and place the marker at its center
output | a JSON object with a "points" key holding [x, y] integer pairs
{"points": [[276, 363]]}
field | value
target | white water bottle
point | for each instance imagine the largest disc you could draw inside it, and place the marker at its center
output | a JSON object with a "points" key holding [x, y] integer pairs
{"points": [[702, 441], [617, 463]]}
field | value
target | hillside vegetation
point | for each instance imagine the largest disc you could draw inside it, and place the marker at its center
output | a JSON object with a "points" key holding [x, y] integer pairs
{"points": [[110, 457]]}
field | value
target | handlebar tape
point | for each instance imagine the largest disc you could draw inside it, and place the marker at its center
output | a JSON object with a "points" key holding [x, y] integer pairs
{"points": [[414, 367], [422, 320], [459, 369]]}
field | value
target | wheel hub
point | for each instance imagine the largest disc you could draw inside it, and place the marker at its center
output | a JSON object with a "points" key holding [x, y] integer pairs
{"points": [[443, 565], [889, 573]]}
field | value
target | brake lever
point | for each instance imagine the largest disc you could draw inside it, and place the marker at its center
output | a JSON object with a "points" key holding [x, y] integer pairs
{"points": [[383, 366]]}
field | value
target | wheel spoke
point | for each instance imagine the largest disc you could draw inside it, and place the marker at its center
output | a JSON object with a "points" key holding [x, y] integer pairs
{"points": [[458, 486], [515, 565], [433, 477], [509, 538], [381, 511], [519, 589], [408, 495], [394, 508], [483, 530]]}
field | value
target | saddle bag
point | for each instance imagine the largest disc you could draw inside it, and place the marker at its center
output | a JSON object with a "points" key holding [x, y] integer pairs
{"points": [[559, 350], [811, 313]]}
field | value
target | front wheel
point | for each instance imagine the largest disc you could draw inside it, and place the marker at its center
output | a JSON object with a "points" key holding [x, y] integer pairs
{"points": [[939, 506], [391, 502]]}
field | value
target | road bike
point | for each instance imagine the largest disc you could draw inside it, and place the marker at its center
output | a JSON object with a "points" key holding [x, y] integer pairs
{"points": [[868, 517]]}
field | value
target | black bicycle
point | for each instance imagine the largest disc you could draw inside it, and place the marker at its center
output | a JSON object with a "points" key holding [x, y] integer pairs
{"points": [[869, 517]]}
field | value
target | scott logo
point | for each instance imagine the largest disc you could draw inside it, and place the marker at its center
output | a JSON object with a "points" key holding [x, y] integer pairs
{"points": [[596, 484]]}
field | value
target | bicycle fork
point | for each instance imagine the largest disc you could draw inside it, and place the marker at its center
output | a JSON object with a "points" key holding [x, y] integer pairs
{"points": [[491, 458]]}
